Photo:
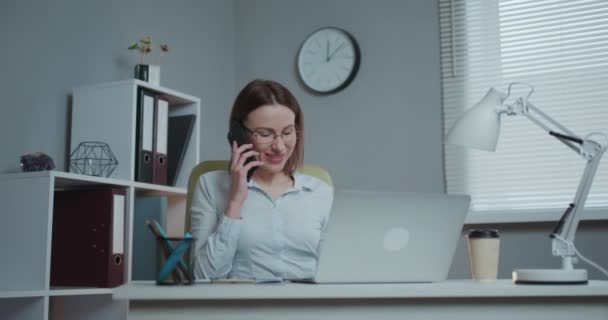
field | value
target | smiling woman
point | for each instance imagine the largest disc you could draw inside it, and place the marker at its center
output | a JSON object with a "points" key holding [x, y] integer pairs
{"points": [[268, 227]]}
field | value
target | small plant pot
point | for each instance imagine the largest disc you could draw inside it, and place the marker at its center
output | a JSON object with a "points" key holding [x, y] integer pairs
{"points": [[148, 72]]}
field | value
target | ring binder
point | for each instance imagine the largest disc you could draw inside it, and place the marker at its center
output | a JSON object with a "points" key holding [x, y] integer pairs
{"points": [[145, 136], [161, 118], [88, 237]]}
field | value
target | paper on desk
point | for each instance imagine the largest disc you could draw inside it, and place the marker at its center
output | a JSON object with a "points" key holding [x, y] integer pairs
{"points": [[239, 280]]}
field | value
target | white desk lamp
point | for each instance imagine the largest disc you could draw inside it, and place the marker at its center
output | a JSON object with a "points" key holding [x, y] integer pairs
{"points": [[479, 128]]}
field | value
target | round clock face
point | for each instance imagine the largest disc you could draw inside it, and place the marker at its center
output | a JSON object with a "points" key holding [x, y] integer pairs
{"points": [[328, 60]]}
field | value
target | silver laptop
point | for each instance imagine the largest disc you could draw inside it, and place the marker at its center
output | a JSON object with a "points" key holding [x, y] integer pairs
{"points": [[377, 237]]}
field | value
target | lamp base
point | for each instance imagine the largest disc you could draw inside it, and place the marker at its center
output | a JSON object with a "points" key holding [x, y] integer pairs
{"points": [[550, 276]]}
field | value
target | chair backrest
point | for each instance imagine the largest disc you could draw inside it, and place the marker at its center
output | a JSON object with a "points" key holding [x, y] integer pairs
{"points": [[214, 165]]}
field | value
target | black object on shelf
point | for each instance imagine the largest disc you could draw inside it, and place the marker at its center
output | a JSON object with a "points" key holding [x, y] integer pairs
{"points": [[37, 161], [142, 72], [144, 144], [180, 130]]}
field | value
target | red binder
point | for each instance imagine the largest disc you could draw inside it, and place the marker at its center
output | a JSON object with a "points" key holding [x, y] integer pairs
{"points": [[161, 124], [88, 238]]}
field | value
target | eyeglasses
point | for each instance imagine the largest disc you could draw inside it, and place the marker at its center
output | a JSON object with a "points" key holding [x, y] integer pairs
{"points": [[265, 136]]}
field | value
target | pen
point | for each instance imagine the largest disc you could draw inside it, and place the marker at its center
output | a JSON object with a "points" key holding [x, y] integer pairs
{"points": [[166, 247], [158, 232], [181, 247]]}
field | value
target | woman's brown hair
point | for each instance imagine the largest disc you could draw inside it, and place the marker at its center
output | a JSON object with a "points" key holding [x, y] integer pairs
{"points": [[259, 93]]}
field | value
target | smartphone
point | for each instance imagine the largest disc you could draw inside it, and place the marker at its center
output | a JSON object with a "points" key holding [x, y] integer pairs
{"points": [[239, 134]]}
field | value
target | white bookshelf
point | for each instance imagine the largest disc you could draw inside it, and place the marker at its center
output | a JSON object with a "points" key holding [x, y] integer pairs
{"points": [[106, 113], [70, 291], [23, 294]]}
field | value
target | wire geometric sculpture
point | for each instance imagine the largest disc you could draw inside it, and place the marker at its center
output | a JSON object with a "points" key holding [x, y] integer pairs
{"points": [[93, 158]]}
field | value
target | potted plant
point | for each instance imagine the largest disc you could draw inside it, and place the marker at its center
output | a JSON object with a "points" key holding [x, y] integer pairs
{"points": [[143, 71]]}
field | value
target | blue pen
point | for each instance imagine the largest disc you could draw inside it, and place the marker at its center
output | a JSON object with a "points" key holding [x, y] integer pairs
{"points": [[158, 231], [168, 244], [175, 257]]}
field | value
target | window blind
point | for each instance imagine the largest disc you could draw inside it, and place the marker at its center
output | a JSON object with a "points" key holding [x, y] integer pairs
{"points": [[559, 47]]}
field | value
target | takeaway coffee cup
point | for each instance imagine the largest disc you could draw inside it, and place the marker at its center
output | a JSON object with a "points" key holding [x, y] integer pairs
{"points": [[484, 247]]}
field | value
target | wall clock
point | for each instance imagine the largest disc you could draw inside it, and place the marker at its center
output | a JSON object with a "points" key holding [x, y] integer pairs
{"points": [[328, 60]]}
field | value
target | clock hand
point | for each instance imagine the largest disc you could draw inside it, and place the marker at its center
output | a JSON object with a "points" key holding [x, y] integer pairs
{"points": [[327, 51], [336, 51]]}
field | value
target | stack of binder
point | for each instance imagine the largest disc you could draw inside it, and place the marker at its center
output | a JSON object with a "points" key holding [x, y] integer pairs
{"points": [[151, 145]]}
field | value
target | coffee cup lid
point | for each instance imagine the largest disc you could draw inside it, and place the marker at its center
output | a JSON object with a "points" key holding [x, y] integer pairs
{"points": [[483, 233]]}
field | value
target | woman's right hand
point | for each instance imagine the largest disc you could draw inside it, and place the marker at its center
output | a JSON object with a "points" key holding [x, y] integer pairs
{"points": [[238, 175]]}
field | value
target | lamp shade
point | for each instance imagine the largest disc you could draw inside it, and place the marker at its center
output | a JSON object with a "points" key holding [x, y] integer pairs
{"points": [[479, 126]]}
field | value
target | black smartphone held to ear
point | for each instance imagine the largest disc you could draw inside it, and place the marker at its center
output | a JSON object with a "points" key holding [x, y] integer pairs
{"points": [[239, 134]]}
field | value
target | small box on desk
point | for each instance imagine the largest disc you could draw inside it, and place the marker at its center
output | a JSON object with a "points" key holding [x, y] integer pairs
{"points": [[88, 238]]}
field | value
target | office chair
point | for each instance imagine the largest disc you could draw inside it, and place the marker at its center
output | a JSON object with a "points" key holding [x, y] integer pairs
{"points": [[214, 165]]}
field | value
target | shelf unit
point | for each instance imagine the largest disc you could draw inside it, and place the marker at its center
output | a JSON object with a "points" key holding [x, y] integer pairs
{"points": [[25, 291], [108, 113], [27, 198]]}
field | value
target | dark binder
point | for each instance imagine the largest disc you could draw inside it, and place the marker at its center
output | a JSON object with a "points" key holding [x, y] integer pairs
{"points": [[144, 148], [161, 118], [88, 238], [180, 130]]}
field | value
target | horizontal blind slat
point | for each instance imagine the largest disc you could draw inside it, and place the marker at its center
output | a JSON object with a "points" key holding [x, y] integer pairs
{"points": [[558, 46]]}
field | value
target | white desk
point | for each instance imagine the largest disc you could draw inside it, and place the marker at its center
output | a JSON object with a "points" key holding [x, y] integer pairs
{"points": [[455, 299]]}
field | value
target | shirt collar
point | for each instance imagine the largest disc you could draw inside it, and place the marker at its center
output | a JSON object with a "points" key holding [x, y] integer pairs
{"points": [[302, 183]]}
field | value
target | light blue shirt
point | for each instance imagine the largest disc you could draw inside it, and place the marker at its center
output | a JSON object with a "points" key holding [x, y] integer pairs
{"points": [[274, 239]]}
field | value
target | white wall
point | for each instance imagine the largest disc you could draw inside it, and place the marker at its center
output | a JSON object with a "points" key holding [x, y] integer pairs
{"points": [[391, 113], [383, 131], [49, 47]]}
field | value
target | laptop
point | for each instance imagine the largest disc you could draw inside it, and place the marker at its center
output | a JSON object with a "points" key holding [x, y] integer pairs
{"points": [[376, 237]]}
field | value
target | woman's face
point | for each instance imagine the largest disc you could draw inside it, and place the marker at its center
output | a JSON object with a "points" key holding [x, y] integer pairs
{"points": [[274, 135]]}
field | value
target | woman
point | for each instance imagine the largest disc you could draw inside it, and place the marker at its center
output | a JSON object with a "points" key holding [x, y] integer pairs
{"points": [[270, 226]]}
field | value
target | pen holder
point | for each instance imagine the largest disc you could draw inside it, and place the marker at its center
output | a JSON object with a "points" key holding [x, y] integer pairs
{"points": [[171, 265]]}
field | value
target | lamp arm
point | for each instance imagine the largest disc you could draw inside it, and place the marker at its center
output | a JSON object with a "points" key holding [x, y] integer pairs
{"points": [[522, 106], [566, 136], [572, 220], [592, 151], [551, 120]]}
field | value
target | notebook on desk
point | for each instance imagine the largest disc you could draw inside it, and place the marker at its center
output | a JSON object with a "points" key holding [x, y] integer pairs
{"points": [[375, 237]]}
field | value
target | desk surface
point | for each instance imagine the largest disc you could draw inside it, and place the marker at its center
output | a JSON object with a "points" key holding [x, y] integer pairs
{"points": [[147, 290]]}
